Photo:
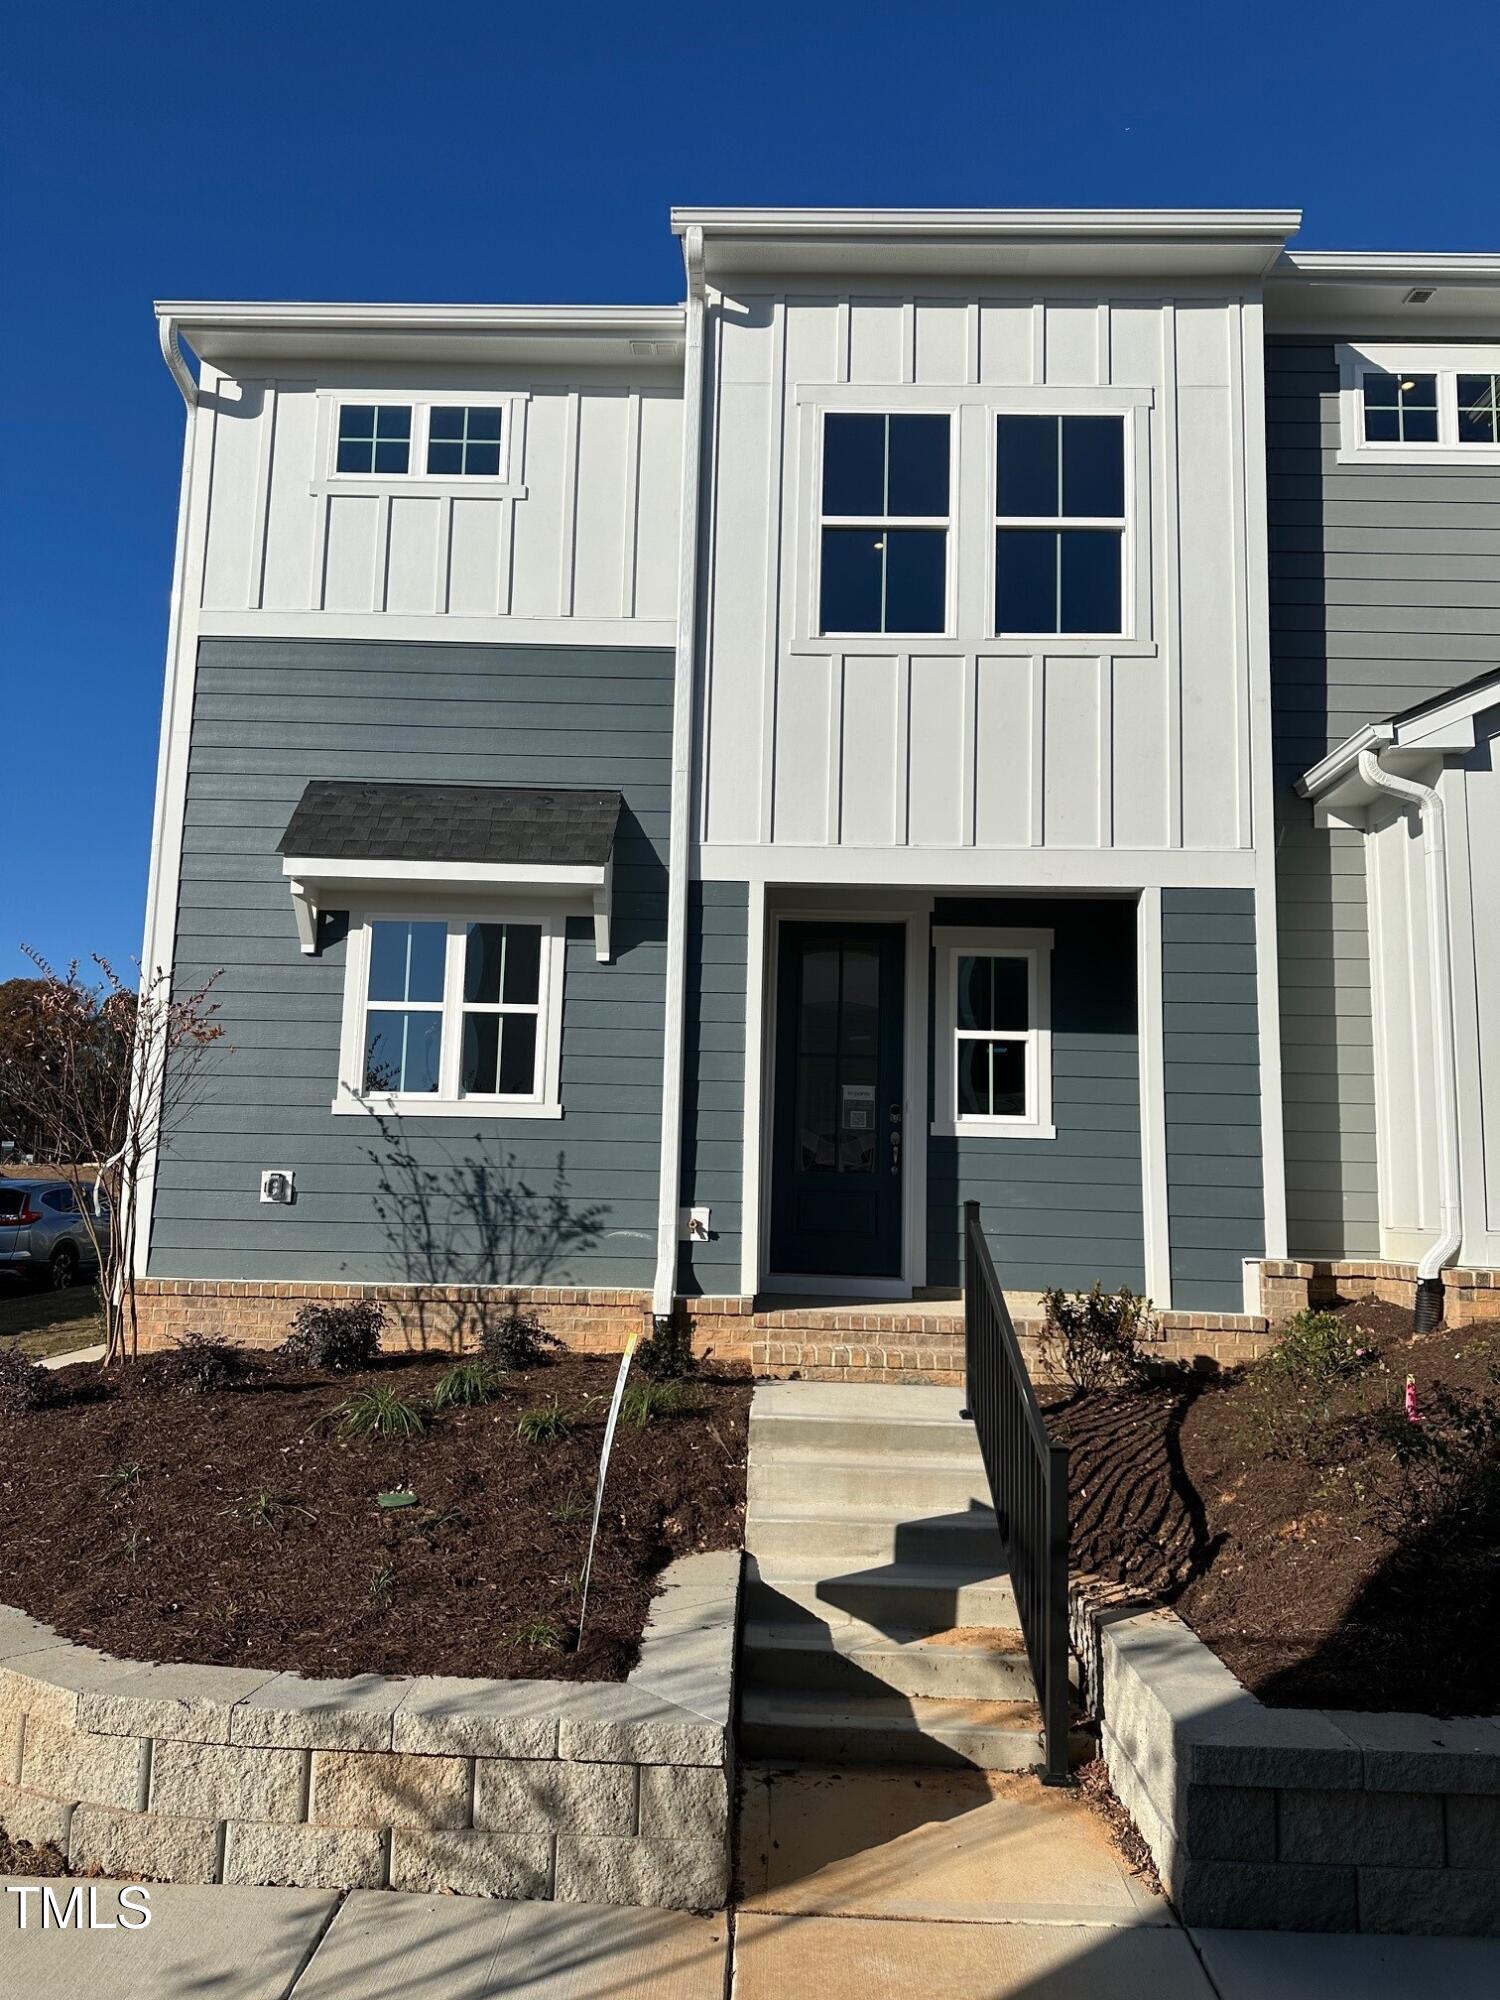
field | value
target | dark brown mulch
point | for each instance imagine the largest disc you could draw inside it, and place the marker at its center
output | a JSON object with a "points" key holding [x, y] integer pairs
{"points": [[1099, 1795], [236, 1528], [19, 1857], [1285, 1531]]}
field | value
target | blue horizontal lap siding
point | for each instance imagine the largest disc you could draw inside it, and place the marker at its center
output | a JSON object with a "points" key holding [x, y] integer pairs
{"points": [[713, 1090], [1211, 1069], [565, 1201], [1061, 1211]]}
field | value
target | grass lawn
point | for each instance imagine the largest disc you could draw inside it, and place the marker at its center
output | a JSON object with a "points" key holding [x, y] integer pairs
{"points": [[50, 1322]]}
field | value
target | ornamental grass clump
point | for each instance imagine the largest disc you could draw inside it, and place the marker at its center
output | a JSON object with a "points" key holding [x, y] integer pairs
{"points": [[644, 1402], [467, 1384], [545, 1423], [377, 1412], [1094, 1337]]}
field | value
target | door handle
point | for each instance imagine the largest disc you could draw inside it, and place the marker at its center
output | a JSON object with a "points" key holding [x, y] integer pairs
{"points": [[895, 1149]]}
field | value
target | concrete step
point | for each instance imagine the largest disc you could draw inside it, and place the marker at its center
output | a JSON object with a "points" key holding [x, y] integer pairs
{"points": [[966, 1664], [830, 1729], [835, 1482], [847, 1541], [864, 1437], [890, 1598]]}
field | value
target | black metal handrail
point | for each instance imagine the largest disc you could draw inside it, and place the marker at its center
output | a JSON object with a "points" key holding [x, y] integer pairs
{"points": [[1028, 1479]]}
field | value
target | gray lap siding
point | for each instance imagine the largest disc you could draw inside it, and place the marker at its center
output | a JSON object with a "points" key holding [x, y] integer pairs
{"points": [[1382, 583], [565, 1201], [713, 1085]]}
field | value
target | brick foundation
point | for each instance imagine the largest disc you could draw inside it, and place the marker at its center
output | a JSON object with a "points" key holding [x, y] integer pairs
{"points": [[1293, 1285]]}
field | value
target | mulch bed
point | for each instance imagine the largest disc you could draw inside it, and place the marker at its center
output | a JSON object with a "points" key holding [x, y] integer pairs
{"points": [[19, 1857], [1327, 1554], [235, 1527]]}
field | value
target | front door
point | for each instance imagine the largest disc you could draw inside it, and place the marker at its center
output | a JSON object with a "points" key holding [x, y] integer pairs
{"points": [[837, 1126]]}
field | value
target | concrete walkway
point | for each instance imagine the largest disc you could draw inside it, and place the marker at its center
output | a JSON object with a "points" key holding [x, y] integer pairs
{"points": [[304, 1944]]}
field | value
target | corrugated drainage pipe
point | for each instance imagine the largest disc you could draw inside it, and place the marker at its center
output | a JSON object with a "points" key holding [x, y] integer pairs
{"points": [[1445, 1246]]}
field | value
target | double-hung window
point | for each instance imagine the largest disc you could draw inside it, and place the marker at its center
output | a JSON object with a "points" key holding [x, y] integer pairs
{"points": [[453, 1014], [1059, 524], [994, 1041], [883, 558]]}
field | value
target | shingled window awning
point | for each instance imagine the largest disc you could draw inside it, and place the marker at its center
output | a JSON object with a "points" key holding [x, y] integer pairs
{"points": [[347, 839]]}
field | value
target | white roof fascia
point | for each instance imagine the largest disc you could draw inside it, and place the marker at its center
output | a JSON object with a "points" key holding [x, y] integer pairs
{"points": [[323, 882]]}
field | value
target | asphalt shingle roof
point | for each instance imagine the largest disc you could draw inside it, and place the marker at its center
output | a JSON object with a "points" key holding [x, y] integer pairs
{"points": [[344, 821]]}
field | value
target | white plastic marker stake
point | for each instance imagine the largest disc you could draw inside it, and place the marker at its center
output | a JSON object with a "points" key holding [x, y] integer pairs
{"points": [[609, 1438]]}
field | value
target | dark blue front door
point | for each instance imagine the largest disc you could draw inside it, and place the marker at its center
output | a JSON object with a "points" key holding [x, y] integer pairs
{"points": [[837, 1131]]}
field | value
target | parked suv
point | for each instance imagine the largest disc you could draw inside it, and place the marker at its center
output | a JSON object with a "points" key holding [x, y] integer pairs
{"points": [[42, 1234]]}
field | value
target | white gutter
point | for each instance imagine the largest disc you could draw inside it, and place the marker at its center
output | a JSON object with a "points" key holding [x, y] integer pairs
{"points": [[680, 838], [1429, 804]]}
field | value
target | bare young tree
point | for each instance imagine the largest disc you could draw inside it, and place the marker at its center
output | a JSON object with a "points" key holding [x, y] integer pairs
{"points": [[110, 1071]]}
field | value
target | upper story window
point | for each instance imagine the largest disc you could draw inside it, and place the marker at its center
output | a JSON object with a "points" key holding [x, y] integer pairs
{"points": [[884, 523], [374, 437], [463, 440], [1418, 403], [1059, 524], [448, 1012]]}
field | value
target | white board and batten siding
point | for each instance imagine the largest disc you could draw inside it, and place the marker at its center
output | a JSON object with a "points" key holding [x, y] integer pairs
{"points": [[966, 742], [579, 536]]}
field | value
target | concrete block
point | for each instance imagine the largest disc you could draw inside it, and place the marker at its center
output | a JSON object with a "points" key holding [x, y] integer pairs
{"points": [[304, 1857], [35, 1817], [517, 1866], [650, 1874], [689, 1661], [444, 1714], [1273, 1746], [544, 1796], [1473, 1827], [1239, 1895], [685, 1802], [1425, 1753], [20, 1634], [290, 1713], [1382, 1829], [47, 1684], [105, 1770], [608, 1724], [132, 1845], [378, 1789], [223, 1781], [12, 1729], [1430, 1902], [1230, 1822], [188, 1704]]}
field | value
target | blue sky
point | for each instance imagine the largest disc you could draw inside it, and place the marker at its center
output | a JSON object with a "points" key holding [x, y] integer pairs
{"points": [[489, 152]]}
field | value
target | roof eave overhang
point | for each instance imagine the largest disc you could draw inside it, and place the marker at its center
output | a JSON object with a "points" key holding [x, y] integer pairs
{"points": [[319, 883], [232, 331], [1406, 745], [1359, 291], [1243, 243]]}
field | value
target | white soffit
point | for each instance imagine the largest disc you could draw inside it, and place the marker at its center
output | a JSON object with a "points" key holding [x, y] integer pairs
{"points": [[229, 332]]}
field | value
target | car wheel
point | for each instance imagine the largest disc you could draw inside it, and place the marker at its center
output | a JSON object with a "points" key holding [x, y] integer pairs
{"points": [[63, 1267]]}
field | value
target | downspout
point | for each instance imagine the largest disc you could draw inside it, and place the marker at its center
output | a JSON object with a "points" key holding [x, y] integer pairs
{"points": [[680, 838], [1445, 1246]]}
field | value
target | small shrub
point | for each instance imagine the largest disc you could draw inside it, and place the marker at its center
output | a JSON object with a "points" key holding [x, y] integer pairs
{"points": [[377, 1412], [266, 1510], [1317, 1348], [546, 1423], [468, 1383], [203, 1364], [1447, 1470], [643, 1402], [120, 1479], [575, 1507], [517, 1339], [1095, 1336], [383, 1587], [666, 1354], [540, 1635], [25, 1385], [335, 1337]]}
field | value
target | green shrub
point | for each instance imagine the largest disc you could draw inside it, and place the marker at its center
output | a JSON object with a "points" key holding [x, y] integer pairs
{"points": [[1317, 1348], [335, 1337], [1094, 1337], [377, 1412], [540, 1635], [643, 1402], [517, 1339], [382, 1587], [666, 1354], [545, 1423], [25, 1385], [466, 1384]]}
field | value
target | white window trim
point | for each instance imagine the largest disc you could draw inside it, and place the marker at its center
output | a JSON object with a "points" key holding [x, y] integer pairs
{"points": [[1445, 360], [930, 523], [446, 1101], [1035, 946], [506, 483], [1132, 599]]}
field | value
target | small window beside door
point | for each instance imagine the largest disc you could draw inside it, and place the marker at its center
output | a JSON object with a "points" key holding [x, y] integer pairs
{"points": [[993, 1034]]}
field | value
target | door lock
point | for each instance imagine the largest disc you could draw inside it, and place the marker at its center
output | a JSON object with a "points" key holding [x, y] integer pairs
{"points": [[895, 1149]]}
